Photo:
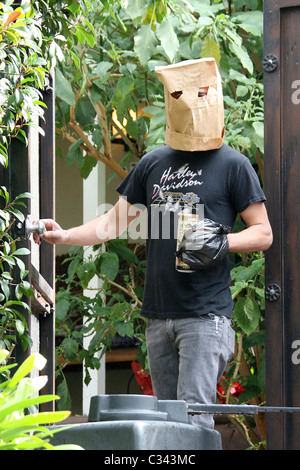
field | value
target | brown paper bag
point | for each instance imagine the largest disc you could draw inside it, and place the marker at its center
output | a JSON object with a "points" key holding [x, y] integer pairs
{"points": [[194, 104]]}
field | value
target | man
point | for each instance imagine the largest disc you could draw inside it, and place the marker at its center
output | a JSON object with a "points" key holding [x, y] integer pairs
{"points": [[189, 337]]}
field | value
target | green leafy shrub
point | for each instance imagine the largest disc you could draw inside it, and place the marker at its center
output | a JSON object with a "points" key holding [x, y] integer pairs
{"points": [[22, 427], [113, 309], [15, 288], [31, 36]]}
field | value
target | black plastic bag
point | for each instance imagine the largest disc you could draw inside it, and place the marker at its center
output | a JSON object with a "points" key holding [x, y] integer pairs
{"points": [[204, 244]]}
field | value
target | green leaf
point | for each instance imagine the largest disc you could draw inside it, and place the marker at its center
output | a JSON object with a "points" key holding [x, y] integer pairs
{"points": [[132, 128], [75, 59], [28, 423], [20, 327], [241, 53], [70, 348], [26, 288], [3, 355], [237, 288], [204, 21], [124, 328], [6, 275], [68, 447], [247, 314], [5, 288], [64, 394], [36, 360], [168, 38], [136, 8], [17, 214], [16, 302], [211, 48], [84, 35], [88, 164], [250, 21], [4, 193], [103, 68], [97, 137], [259, 135], [85, 112], [63, 88], [257, 338], [23, 404], [124, 86], [233, 36], [241, 91], [21, 251], [125, 253], [144, 43], [86, 272], [252, 389], [74, 152], [25, 195], [109, 265], [23, 271], [246, 273], [61, 309]]}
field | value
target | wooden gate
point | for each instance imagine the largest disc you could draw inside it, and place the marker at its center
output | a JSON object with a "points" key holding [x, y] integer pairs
{"points": [[31, 169], [282, 176]]}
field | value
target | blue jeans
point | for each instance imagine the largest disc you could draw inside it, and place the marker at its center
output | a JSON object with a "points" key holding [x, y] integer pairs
{"points": [[187, 358]]}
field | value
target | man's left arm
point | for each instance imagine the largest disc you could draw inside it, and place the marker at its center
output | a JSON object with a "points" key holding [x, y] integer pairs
{"points": [[258, 234]]}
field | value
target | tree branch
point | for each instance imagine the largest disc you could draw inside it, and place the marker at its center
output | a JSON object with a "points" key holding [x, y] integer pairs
{"points": [[110, 162]]}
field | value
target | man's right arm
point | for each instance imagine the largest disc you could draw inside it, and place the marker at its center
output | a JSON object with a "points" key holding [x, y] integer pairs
{"points": [[99, 230]]}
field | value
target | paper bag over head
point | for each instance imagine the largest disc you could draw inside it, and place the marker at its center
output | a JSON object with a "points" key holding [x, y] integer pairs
{"points": [[194, 104]]}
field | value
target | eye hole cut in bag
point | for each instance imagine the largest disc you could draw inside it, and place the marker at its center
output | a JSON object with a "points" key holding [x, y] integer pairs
{"points": [[202, 91], [176, 94]]}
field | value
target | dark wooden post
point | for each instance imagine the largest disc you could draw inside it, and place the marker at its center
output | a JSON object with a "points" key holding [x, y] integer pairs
{"points": [[282, 177], [47, 251], [24, 160]]}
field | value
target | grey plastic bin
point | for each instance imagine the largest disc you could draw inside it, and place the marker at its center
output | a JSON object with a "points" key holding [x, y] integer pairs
{"points": [[138, 422]]}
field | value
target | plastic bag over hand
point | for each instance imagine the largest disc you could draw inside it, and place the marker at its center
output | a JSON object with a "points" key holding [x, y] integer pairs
{"points": [[204, 244]]}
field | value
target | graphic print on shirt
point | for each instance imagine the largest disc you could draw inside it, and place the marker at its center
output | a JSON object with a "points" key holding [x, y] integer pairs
{"points": [[184, 205], [172, 182], [169, 191]]}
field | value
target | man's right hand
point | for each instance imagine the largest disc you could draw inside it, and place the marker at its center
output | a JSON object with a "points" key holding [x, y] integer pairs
{"points": [[99, 230], [53, 233]]}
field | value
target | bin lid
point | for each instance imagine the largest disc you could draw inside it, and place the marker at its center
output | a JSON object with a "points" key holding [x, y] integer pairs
{"points": [[136, 407]]}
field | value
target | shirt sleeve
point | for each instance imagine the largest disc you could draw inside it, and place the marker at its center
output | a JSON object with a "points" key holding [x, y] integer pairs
{"points": [[132, 187], [246, 188]]}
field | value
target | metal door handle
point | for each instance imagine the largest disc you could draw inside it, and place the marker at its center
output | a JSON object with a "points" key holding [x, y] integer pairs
{"points": [[25, 229], [39, 228]]}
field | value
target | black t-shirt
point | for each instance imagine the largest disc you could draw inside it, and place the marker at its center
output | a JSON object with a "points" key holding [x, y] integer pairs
{"points": [[167, 181]]}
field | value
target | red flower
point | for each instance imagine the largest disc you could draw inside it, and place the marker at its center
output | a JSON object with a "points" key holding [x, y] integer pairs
{"points": [[235, 390], [143, 379]]}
